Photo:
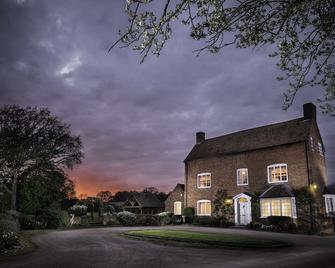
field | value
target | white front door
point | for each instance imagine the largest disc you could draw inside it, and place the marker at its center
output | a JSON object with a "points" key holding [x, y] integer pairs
{"points": [[243, 211], [242, 205]]}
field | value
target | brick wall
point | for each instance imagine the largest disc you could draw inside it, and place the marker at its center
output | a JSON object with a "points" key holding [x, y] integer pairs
{"points": [[223, 170], [176, 195]]}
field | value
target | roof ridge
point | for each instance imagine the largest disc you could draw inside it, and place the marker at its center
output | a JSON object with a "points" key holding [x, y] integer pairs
{"points": [[254, 128]]}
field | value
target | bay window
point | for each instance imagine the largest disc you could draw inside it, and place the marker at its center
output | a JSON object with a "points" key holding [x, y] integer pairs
{"points": [[284, 206]]}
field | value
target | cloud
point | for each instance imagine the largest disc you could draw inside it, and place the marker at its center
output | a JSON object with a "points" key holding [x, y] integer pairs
{"points": [[137, 121]]}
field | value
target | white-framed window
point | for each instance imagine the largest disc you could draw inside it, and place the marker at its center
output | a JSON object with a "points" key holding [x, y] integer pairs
{"points": [[311, 143], [283, 206], [329, 202], [177, 208], [204, 180], [204, 208], [242, 176], [320, 148], [277, 173]]}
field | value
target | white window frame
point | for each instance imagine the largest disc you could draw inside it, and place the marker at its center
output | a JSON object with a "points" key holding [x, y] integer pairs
{"points": [[293, 206], [174, 207], [204, 174], [237, 177], [332, 197], [320, 148], [276, 165], [204, 201], [311, 143]]}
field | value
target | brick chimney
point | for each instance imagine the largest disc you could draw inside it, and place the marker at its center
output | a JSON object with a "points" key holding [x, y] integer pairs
{"points": [[201, 136], [309, 111]]}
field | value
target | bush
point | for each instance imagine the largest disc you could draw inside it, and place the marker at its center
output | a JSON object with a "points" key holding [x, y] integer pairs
{"points": [[165, 218], [8, 240], [8, 224], [177, 219], [282, 223], [255, 225], [50, 218], [189, 214], [64, 218], [78, 210], [147, 220], [110, 220], [126, 218], [29, 222]]}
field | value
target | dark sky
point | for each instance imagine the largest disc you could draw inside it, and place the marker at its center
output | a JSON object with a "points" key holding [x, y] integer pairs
{"points": [[137, 121]]}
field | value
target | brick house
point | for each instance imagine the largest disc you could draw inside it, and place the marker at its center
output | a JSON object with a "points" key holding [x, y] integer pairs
{"points": [[175, 200], [269, 162]]}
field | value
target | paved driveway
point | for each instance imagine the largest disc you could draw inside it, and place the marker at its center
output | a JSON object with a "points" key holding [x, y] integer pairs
{"points": [[102, 247]]}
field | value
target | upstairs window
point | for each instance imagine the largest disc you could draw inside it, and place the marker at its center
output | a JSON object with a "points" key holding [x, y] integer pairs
{"points": [[320, 148], [277, 173], [204, 180], [330, 203], [242, 176], [312, 143]]}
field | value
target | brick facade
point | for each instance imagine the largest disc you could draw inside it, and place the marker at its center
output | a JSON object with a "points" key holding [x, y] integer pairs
{"points": [[176, 195]]}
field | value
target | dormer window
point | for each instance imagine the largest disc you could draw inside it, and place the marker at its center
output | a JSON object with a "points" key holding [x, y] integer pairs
{"points": [[204, 180], [242, 176], [277, 173]]}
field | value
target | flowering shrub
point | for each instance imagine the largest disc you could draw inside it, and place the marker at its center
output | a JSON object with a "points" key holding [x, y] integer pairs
{"points": [[8, 240], [78, 210], [165, 218], [126, 218]]}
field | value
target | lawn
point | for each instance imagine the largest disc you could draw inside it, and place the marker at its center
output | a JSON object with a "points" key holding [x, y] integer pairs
{"points": [[225, 240]]}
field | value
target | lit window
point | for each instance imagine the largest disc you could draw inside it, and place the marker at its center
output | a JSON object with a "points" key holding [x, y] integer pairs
{"points": [[242, 176], [278, 207], [204, 180], [277, 173], [204, 208], [320, 148], [330, 203], [312, 143], [177, 208]]}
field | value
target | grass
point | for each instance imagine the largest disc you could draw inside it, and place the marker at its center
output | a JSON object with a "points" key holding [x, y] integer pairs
{"points": [[214, 239]]}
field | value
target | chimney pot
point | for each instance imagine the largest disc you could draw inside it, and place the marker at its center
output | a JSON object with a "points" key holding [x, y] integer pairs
{"points": [[309, 111], [201, 136]]}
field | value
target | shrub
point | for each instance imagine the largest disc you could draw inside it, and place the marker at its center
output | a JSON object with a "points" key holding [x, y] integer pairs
{"points": [[9, 225], [64, 218], [78, 210], [255, 225], [189, 214], [165, 218], [282, 223], [147, 220], [110, 220], [126, 218], [8, 240], [29, 222], [50, 218]]}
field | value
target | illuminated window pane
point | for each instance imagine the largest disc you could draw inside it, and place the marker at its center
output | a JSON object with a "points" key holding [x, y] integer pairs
{"points": [[242, 176], [265, 208], [204, 208], [277, 173], [204, 180], [177, 208], [275, 206], [286, 207]]}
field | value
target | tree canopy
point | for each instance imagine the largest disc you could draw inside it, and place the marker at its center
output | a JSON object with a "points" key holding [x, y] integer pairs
{"points": [[301, 32], [33, 143]]}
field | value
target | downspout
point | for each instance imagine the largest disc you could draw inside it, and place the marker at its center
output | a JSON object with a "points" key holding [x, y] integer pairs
{"points": [[308, 189]]}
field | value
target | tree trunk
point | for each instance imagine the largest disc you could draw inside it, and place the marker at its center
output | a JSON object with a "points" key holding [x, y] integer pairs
{"points": [[13, 194]]}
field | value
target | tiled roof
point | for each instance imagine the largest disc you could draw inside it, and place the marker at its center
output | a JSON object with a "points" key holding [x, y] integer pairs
{"points": [[148, 200], [278, 190], [292, 131]]}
